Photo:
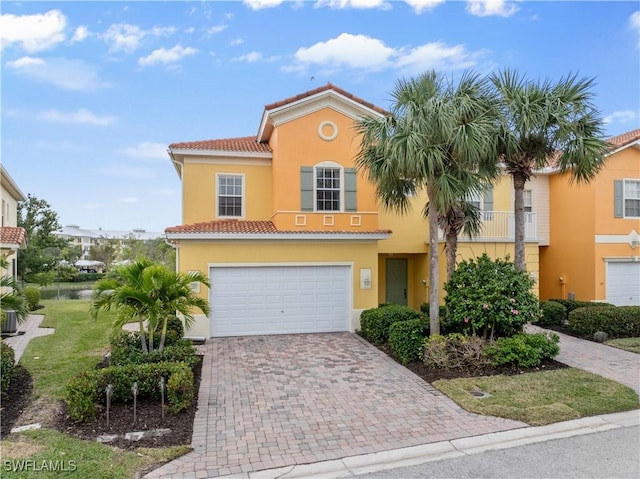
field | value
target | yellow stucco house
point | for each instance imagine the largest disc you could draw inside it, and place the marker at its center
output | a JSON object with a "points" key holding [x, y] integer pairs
{"points": [[292, 237], [594, 248], [12, 237]]}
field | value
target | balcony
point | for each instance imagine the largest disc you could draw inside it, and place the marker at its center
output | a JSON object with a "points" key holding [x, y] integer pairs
{"points": [[499, 226]]}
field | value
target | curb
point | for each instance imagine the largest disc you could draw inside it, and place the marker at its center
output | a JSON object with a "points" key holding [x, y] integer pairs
{"points": [[415, 455]]}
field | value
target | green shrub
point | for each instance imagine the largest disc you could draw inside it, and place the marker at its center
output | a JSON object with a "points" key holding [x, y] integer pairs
{"points": [[175, 326], [7, 365], [571, 304], [406, 339], [32, 295], [86, 389], [617, 322], [126, 349], [454, 351], [375, 322], [523, 350], [88, 277], [490, 298], [553, 314]]}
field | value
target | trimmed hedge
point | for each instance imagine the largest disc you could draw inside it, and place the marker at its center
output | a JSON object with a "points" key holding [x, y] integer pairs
{"points": [[126, 349], [32, 295], [616, 321], [7, 365], [88, 388], [570, 305], [375, 322], [406, 339], [553, 314], [523, 350]]}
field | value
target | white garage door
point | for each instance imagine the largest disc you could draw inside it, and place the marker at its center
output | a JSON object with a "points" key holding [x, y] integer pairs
{"points": [[279, 299], [623, 284]]}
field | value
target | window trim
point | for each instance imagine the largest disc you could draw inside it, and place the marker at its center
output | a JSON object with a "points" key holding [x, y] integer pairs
{"points": [[524, 200], [332, 165], [217, 195], [624, 197]]}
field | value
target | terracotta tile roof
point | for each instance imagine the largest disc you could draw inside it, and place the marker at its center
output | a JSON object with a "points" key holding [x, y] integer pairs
{"points": [[243, 144], [326, 87], [12, 235], [625, 138], [250, 227]]}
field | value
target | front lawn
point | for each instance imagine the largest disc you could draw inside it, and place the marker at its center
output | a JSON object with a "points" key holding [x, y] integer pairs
{"points": [[628, 344]]}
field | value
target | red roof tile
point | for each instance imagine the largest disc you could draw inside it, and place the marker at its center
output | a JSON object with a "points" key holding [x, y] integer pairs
{"points": [[243, 144], [250, 227], [625, 138], [326, 87], [12, 235]]}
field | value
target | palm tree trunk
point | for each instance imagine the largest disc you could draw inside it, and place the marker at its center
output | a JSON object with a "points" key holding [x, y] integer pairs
{"points": [[143, 339], [518, 213], [164, 334], [150, 333], [451, 252], [434, 273]]}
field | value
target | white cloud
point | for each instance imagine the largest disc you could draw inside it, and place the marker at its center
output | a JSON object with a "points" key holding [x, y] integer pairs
{"points": [[162, 56], [216, 29], [260, 4], [486, 8], [634, 23], [128, 38], [360, 4], [250, 57], [33, 33], [75, 75], [366, 53], [146, 149], [420, 6], [190, 30], [82, 116], [81, 34], [347, 50], [620, 116], [128, 199], [236, 41], [438, 56]]}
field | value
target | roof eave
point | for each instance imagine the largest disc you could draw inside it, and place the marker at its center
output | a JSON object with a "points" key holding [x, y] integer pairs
{"points": [[278, 236]]}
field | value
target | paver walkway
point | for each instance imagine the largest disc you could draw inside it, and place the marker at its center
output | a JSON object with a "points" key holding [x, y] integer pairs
{"points": [[273, 401], [31, 328], [606, 361]]}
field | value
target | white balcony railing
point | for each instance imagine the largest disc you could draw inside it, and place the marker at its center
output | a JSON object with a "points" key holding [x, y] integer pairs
{"points": [[500, 226]]}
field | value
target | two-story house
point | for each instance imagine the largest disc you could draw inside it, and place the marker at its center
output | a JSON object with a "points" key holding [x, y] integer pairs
{"points": [[594, 248], [292, 236], [12, 237]]}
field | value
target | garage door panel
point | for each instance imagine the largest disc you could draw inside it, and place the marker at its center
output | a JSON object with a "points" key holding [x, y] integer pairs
{"points": [[623, 283], [279, 299]]}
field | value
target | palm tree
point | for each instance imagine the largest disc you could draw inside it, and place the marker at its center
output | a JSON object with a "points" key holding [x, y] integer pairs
{"points": [[435, 129], [145, 291], [540, 121]]}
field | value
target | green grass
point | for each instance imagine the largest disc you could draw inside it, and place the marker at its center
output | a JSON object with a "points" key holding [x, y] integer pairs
{"points": [[77, 458], [628, 344], [54, 286], [77, 345], [542, 397]]}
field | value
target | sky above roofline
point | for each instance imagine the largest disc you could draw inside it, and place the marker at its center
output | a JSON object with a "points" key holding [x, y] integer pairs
{"points": [[94, 92]]}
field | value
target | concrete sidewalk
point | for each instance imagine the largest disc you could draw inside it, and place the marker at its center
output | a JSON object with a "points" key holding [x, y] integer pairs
{"points": [[31, 329]]}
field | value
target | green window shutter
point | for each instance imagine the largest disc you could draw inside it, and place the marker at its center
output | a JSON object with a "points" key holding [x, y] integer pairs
{"points": [[350, 189], [618, 199], [488, 199], [306, 188]]}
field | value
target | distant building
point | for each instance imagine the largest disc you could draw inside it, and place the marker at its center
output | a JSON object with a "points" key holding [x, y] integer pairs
{"points": [[85, 238]]}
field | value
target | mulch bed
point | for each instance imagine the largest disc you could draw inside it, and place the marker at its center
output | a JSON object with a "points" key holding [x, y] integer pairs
{"points": [[148, 417]]}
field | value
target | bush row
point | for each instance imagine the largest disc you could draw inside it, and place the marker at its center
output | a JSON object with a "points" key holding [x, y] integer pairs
{"points": [[32, 295], [7, 365], [88, 388], [406, 339], [126, 349], [375, 322], [523, 350], [617, 322]]}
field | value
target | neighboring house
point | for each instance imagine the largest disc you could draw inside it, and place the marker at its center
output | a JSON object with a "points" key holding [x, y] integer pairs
{"points": [[85, 238], [12, 237], [292, 237], [594, 248]]}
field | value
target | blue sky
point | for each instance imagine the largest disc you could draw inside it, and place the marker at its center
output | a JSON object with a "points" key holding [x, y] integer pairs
{"points": [[94, 92]]}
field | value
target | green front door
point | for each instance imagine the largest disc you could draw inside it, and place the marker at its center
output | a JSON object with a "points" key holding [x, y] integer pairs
{"points": [[396, 281]]}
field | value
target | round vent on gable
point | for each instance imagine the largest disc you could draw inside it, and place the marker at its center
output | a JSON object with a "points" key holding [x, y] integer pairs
{"points": [[328, 130]]}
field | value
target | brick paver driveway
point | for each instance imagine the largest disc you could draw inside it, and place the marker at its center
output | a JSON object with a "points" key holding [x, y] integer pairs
{"points": [[273, 401]]}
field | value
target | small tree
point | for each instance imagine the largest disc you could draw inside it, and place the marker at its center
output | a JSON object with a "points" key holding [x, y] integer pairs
{"points": [[491, 297]]}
